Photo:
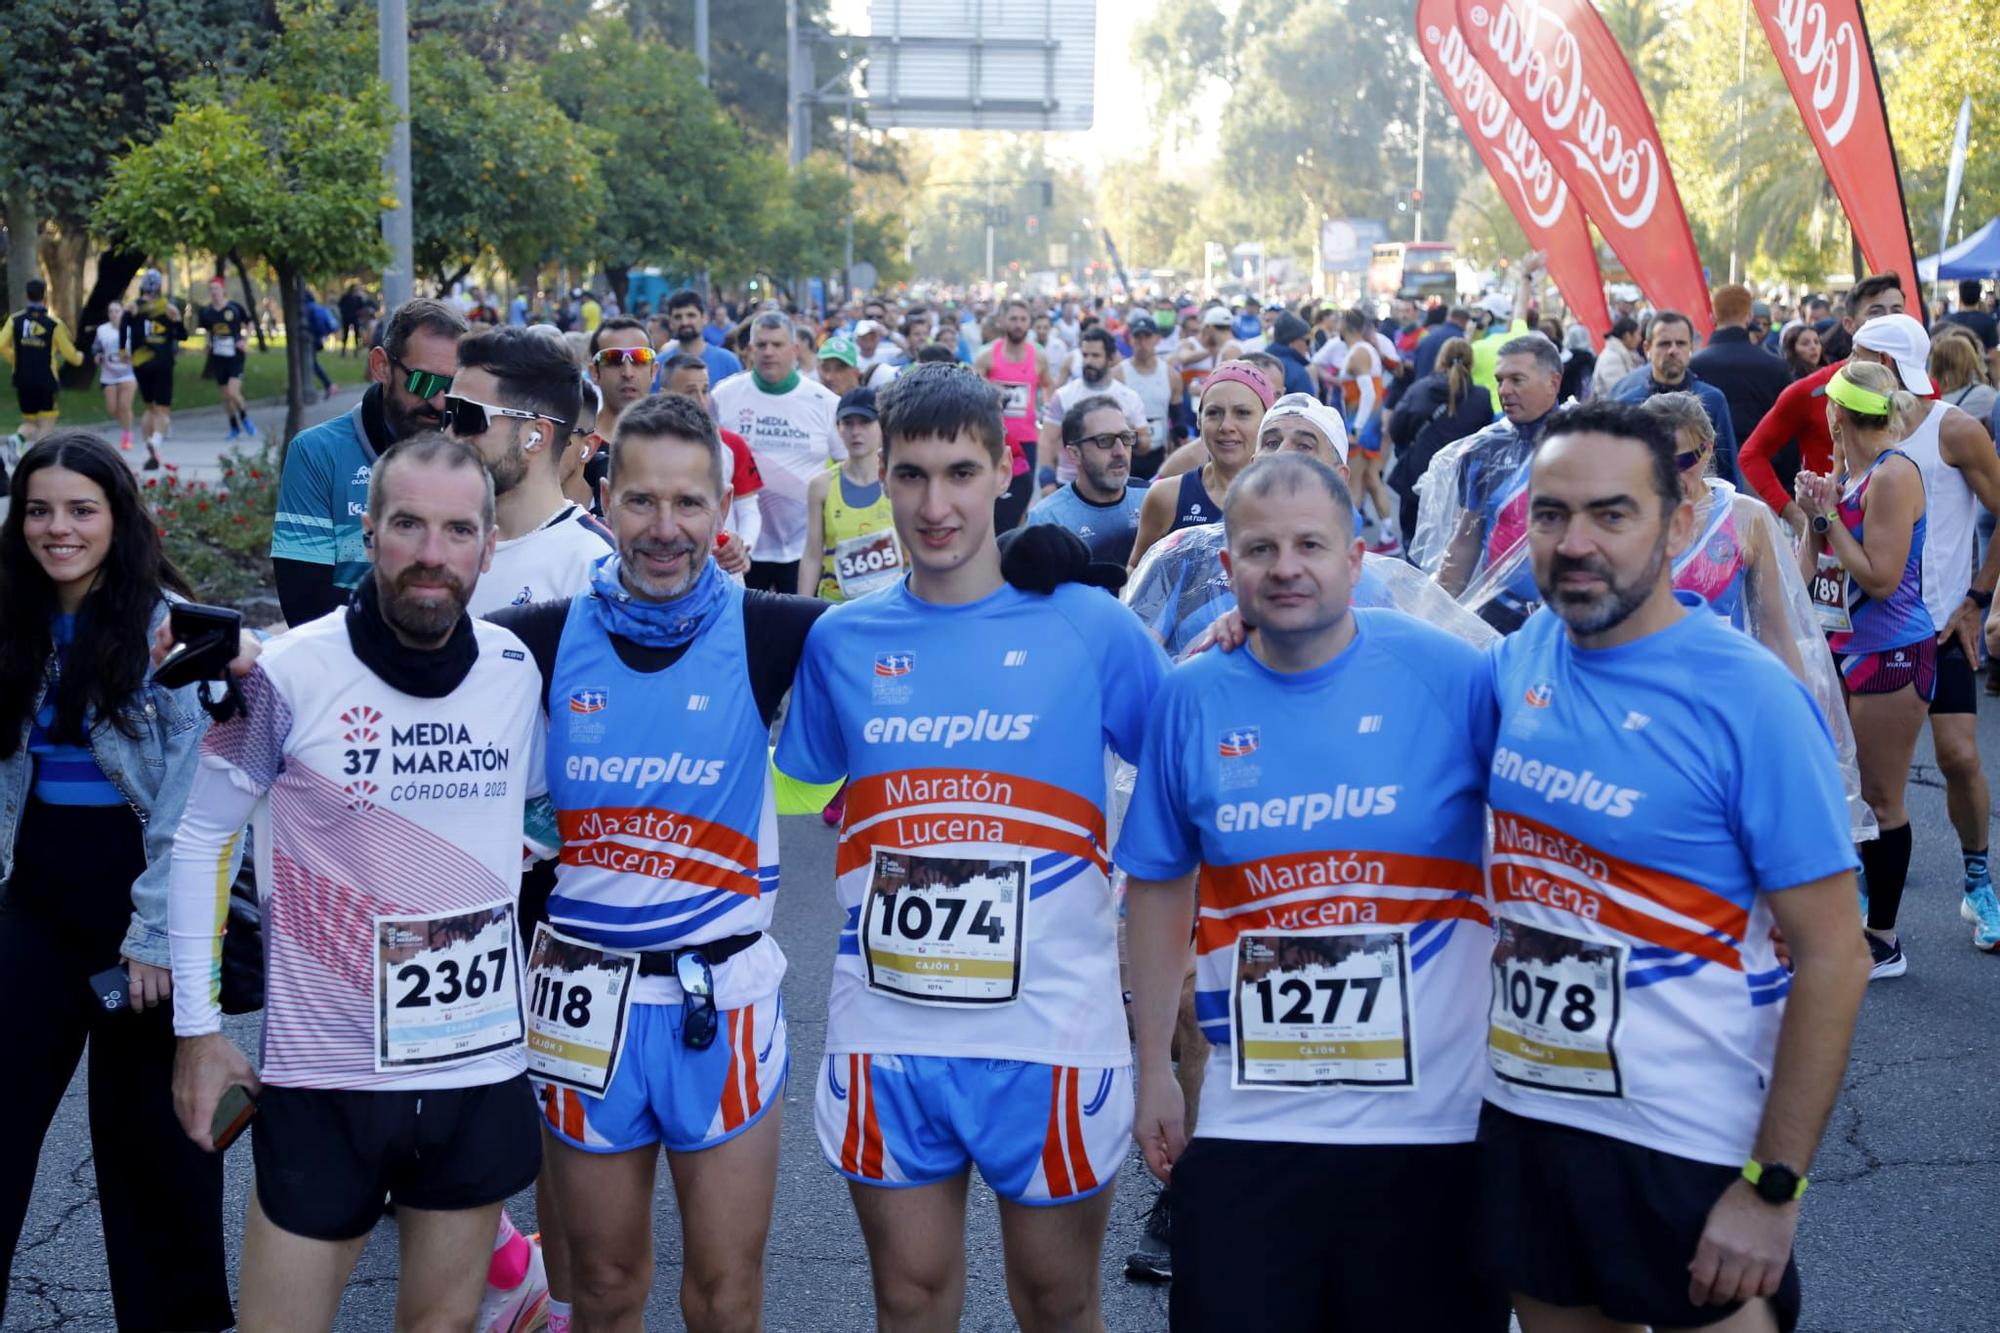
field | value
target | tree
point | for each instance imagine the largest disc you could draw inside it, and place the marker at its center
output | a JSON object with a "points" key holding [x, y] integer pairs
{"points": [[288, 169], [746, 56], [83, 78], [505, 172], [681, 188]]}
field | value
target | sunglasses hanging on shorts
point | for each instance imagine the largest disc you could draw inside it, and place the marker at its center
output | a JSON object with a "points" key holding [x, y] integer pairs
{"points": [[624, 356], [699, 1019], [422, 383], [467, 417]]}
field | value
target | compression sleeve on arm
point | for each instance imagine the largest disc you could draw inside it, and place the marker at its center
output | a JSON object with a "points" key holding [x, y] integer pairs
{"points": [[306, 590], [218, 806], [797, 796]]}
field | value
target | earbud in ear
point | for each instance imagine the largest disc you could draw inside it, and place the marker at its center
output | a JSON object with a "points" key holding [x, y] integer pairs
{"points": [[534, 438]]}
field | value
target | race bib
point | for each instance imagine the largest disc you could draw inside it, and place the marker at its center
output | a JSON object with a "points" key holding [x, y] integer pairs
{"points": [[1322, 1010], [1829, 595], [863, 564], [445, 987], [1014, 400], [1554, 1016], [944, 929], [222, 345], [578, 998]]}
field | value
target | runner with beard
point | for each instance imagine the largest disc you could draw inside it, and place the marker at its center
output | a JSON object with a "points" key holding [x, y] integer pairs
{"points": [[688, 378], [399, 742], [685, 329], [1233, 402], [317, 551], [1019, 370], [1101, 502], [1099, 375]]}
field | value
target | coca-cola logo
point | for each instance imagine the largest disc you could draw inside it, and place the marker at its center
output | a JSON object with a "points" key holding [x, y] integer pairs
{"points": [[1543, 194], [1831, 61], [1543, 57]]}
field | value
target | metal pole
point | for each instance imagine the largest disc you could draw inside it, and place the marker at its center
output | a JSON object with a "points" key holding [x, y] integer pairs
{"points": [[847, 273], [1423, 115], [989, 237], [1736, 201], [794, 93], [701, 37], [398, 279]]}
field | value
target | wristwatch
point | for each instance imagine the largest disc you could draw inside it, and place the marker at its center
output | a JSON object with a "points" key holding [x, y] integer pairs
{"points": [[1822, 522], [1774, 1181], [1982, 600]]}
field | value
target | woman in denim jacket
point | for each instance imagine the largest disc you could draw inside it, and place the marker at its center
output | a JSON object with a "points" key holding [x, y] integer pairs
{"points": [[95, 766]]}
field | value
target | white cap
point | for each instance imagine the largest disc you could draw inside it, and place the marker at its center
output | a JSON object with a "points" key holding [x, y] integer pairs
{"points": [[868, 326], [1314, 413], [1497, 306], [1904, 342], [1216, 317]]}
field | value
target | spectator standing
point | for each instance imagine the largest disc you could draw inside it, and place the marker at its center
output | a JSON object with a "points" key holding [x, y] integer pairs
{"points": [[1750, 377], [1618, 358], [1669, 348], [1972, 314], [1799, 346]]}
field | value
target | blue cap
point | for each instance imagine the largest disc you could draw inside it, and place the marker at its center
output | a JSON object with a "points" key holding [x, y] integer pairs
{"points": [[857, 403]]}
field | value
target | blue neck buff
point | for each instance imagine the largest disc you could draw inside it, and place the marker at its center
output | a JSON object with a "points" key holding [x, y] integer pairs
{"points": [[671, 624]]}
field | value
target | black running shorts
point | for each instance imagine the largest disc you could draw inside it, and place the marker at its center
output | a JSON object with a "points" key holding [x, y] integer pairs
{"points": [[1573, 1218], [327, 1159], [1334, 1238], [1957, 690], [36, 396], [223, 369], [156, 382]]}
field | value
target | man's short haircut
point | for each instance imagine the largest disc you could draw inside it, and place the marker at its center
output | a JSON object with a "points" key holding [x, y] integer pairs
{"points": [[536, 372], [430, 448], [682, 361], [686, 296], [420, 312], [668, 416], [1013, 301], [1626, 421], [1731, 304], [1970, 293], [774, 319], [616, 322], [1274, 369], [1100, 335], [1072, 422], [36, 289], [1288, 473], [1681, 410], [1870, 287], [936, 353], [930, 401], [1668, 317], [1623, 327], [1548, 359], [1459, 315]]}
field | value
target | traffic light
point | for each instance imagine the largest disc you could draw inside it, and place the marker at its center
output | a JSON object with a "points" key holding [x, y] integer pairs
{"points": [[1034, 224], [1048, 194], [1416, 196]]}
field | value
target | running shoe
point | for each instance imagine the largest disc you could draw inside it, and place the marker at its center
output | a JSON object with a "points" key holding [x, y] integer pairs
{"points": [[1982, 909], [1153, 1261], [234, 434], [1888, 957], [250, 428], [125, 441], [525, 1309]]}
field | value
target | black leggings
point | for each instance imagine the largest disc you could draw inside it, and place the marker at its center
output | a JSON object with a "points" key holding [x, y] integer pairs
{"points": [[159, 1197]]}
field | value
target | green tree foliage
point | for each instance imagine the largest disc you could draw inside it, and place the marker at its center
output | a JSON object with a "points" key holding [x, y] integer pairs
{"points": [[746, 53], [286, 168], [505, 173]]}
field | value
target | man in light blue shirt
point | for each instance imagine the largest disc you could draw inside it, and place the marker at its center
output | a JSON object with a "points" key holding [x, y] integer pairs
{"points": [[1669, 346], [1102, 504]]}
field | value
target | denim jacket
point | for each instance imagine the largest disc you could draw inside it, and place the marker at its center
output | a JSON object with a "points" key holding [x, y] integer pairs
{"points": [[153, 769]]}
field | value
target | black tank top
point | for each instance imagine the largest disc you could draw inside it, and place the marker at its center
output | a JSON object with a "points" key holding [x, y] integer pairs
{"points": [[1194, 507]]}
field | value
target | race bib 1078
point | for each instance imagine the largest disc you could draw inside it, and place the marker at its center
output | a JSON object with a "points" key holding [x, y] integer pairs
{"points": [[1553, 1024]]}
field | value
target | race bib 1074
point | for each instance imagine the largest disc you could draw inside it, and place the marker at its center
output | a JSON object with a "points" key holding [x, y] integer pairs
{"points": [[945, 929]]}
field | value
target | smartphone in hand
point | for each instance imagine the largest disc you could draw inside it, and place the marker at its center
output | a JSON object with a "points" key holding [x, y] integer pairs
{"points": [[113, 988], [232, 1114]]}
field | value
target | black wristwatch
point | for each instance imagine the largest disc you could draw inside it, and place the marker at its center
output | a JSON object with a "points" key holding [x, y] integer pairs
{"points": [[1982, 600], [1774, 1181], [1821, 523]]}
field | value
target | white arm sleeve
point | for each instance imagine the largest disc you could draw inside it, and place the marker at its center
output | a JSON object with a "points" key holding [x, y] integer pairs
{"points": [[218, 806]]}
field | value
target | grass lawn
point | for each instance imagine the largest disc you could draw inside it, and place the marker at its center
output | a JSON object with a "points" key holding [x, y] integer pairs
{"points": [[263, 377]]}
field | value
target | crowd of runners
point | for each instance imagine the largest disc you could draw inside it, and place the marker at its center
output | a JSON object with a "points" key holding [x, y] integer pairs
{"points": [[1407, 771]]}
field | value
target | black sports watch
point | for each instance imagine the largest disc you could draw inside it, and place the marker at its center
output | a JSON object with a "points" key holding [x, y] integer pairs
{"points": [[1822, 522], [1982, 600], [1774, 1181]]}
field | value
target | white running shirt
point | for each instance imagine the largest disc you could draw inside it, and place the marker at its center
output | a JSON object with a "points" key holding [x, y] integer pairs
{"points": [[545, 565], [792, 438]]}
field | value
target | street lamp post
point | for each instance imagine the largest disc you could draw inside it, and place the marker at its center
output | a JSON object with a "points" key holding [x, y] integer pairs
{"points": [[393, 32]]}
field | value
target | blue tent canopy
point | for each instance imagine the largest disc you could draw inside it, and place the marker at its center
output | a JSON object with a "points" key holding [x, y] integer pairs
{"points": [[1977, 256]]}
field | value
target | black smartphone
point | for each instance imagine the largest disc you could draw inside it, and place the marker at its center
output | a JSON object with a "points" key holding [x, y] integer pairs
{"points": [[112, 987], [206, 639], [232, 1113]]}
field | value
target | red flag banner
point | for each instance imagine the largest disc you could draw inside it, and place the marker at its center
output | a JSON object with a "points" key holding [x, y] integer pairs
{"points": [[1823, 48], [1540, 202], [1560, 69]]}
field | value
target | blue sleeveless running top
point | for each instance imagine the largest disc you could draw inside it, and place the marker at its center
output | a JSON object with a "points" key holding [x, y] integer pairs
{"points": [[1901, 617]]}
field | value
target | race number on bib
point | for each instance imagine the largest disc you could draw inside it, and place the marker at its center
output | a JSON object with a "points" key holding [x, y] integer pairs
{"points": [[863, 564], [222, 345], [944, 929], [1322, 1010], [578, 999], [1829, 594], [445, 987], [1014, 400], [1554, 1018]]}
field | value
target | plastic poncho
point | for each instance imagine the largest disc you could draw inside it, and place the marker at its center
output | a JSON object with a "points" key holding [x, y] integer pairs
{"points": [[1475, 495], [1741, 561]]}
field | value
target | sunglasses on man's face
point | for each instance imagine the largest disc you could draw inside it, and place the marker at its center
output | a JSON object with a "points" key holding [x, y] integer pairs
{"points": [[467, 417], [424, 384], [624, 356], [1686, 460]]}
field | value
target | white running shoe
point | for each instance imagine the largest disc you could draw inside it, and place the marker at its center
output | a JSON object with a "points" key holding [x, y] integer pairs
{"points": [[522, 1310]]}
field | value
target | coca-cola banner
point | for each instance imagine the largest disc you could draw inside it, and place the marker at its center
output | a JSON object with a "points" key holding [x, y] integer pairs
{"points": [[1540, 202], [1823, 48], [1561, 70]]}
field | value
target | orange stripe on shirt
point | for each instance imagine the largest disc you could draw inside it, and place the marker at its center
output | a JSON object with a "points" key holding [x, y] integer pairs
{"points": [[1338, 869], [1349, 909], [1563, 893], [658, 825], [857, 850]]}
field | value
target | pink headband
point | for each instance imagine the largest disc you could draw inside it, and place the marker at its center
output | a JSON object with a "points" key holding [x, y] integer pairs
{"points": [[1241, 372]]}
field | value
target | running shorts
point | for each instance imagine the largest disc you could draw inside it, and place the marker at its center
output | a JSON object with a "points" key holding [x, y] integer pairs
{"points": [[223, 369], [1039, 1134], [156, 382], [667, 1093], [1891, 669], [1346, 1238], [1957, 689], [1370, 438], [327, 1159], [1580, 1219], [37, 397]]}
